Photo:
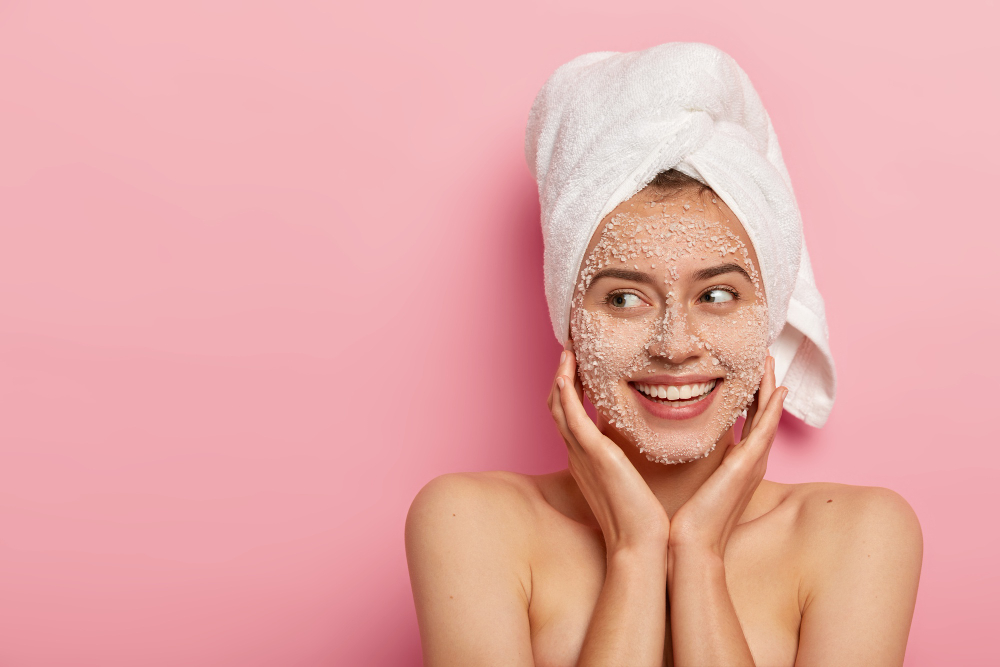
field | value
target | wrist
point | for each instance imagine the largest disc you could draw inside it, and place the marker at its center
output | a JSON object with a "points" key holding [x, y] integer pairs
{"points": [[692, 558], [694, 546], [641, 557]]}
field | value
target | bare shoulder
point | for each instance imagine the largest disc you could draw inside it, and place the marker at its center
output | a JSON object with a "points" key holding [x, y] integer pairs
{"points": [[852, 533], [495, 494], [489, 507], [860, 553], [829, 520], [846, 516]]}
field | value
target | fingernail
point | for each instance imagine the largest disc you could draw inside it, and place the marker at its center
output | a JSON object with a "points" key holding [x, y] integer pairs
{"points": [[562, 357], [560, 382]]}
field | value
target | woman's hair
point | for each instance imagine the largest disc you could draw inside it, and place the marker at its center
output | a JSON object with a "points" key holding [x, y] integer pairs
{"points": [[672, 181]]}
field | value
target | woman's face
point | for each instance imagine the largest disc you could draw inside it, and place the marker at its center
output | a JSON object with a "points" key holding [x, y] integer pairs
{"points": [[669, 323]]}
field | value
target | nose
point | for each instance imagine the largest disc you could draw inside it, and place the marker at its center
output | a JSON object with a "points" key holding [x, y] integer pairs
{"points": [[672, 340]]}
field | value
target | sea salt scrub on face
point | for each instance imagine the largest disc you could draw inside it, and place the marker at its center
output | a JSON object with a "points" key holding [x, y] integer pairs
{"points": [[669, 323]]}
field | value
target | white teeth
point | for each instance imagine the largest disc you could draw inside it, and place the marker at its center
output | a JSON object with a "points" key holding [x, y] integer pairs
{"points": [[675, 392]]}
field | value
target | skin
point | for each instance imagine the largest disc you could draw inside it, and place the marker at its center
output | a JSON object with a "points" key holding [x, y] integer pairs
{"points": [[619, 560], [622, 331]]}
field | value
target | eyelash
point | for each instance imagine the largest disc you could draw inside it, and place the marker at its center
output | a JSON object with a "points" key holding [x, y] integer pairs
{"points": [[724, 288], [612, 295]]}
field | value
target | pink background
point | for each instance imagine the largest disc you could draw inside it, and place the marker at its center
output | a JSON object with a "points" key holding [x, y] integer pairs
{"points": [[268, 267]]}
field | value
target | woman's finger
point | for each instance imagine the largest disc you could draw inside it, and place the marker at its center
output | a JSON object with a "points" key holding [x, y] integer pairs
{"points": [[554, 389], [751, 412], [762, 434], [571, 372], [758, 399], [556, 406], [766, 389], [559, 415], [579, 422]]}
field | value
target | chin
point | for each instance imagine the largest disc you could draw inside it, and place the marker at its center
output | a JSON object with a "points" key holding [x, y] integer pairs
{"points": [[677, 448]]}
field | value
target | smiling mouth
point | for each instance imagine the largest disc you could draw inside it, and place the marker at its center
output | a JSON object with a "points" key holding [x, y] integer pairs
{"points": [[676, 395]]}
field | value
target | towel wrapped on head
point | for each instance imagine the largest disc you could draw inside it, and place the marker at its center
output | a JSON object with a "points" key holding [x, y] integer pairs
{"points": [[605, 124]]}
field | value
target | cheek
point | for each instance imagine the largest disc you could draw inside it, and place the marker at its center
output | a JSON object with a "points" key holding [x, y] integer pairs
{"points": [[608, 348], [738, 342]]}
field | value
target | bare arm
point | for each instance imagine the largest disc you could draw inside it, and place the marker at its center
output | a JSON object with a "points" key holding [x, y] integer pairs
{"points": [[629, 621], [628, 624], [861, 594], [465, 570], [705, 628]]}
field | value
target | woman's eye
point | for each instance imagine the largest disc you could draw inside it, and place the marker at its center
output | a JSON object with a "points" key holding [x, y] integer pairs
{"points": [[717, 296], [624, 300]]}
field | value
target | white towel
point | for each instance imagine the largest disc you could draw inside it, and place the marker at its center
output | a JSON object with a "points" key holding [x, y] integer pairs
{"points": [[602, 127]]}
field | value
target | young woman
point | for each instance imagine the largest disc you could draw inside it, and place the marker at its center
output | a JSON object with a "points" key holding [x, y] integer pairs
{"points": [[661, 543]]}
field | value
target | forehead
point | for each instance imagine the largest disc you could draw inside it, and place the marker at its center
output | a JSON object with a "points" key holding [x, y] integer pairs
{"points": [[686, 223]]}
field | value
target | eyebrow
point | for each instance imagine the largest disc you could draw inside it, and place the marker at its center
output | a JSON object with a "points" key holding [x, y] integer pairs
{"points": [[640, 277], [624, 274], [713, 271]]}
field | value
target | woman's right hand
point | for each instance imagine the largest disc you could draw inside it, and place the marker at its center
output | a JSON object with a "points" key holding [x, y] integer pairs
{"points": [[630, 516]]}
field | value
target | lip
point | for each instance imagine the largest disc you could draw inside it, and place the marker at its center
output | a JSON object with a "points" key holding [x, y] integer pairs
{"points": [[665, 411]]}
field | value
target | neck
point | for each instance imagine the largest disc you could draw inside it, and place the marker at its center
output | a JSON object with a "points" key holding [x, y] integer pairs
{"points": [[672, 484]]}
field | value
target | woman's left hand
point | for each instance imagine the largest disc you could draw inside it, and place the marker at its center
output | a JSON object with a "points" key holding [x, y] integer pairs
{"points": [[708, 518]]}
